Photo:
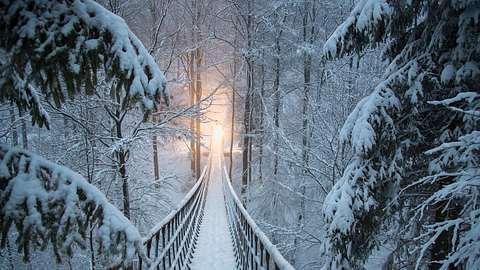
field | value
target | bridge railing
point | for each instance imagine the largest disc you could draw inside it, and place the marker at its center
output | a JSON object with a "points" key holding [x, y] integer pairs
{"points": [[253, 249], [171, 243]]}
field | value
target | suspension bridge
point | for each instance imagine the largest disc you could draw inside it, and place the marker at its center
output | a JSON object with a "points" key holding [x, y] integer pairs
{"points": [[211, 230]]}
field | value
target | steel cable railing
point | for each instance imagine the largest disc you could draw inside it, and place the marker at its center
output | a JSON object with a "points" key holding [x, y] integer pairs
{"points": [[253, 249], [171, 243]]}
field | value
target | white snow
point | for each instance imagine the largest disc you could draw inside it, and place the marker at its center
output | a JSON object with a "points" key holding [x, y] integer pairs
{"points": [[364, 17], [133, 56], [383, 119], [467, 72], [41, 190], [275, 254], [88, 27], [359, 125], [214, 250], [469, 96], [448, 73]]}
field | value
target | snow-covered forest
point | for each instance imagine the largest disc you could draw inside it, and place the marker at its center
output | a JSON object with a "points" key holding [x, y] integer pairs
{"points": [[328, 134]]}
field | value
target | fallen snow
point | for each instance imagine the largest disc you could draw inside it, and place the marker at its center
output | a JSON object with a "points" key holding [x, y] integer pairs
{"points": [[214, 250], [233, 199], [448, 73]]}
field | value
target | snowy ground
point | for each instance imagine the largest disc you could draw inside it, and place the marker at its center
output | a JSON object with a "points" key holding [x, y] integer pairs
{"points": [[215, 247]]}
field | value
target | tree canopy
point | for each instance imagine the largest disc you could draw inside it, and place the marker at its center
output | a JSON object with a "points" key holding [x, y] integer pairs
{"points": [[52, 205], [417, 132], [58, 48], [55, 50]]}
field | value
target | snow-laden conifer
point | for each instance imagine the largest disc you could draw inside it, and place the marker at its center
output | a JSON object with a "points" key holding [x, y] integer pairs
{"points": [[52, 205], [57, 48], [54, 50], [415, 138]]}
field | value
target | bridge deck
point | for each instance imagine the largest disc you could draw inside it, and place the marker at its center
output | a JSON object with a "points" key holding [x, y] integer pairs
{"points": [[214, 250]]}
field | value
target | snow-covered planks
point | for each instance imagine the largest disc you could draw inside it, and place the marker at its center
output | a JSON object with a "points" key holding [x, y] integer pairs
{"points": [[215, 247]]}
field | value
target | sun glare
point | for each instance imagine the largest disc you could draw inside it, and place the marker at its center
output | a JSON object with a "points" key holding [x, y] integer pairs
{"points": [[218, 134]]}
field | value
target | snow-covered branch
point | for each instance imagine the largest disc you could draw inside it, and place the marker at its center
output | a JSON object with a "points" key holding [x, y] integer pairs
{"points": [[59, 46], [49, 203]]}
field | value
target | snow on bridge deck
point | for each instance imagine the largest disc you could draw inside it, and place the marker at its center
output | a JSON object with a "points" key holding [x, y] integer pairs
{"points": [[214, 250]]}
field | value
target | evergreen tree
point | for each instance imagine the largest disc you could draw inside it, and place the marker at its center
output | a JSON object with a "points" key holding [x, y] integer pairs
{"points": [[418, 131], [52, 205], [54, 50]]}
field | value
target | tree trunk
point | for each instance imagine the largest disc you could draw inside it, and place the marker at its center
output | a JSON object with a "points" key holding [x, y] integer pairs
{"points": [[198, 89], [248, 99], [442, 246], [123, 174], [192, 119], [90, 142], [156, 169], [92, 250], [232, 129], [24, 129], [261, 122], [246, 138], [90, 146], [65, 128], [277, 101], [122, 162], [308, 38], [305, 112], [195, 64], [121, 155], [251, 122], [14, 126]]}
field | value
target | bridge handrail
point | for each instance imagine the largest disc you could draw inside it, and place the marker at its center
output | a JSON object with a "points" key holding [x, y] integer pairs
{"points": [[174, 238], [172, 213], [252, 234]]}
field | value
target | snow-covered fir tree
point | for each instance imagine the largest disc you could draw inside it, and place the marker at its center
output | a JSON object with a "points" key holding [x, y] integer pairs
{"points": [[58, 47], [51, 51], [51, 205], [415, 138]]}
